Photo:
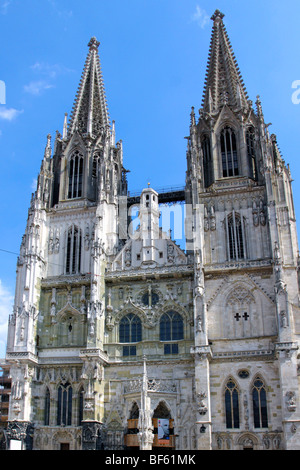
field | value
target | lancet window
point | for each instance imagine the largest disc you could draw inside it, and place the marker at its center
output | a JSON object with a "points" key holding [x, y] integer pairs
{"points": [[232, 412], [207, 161], [73, 255], [171, 326], [250, 140], [235, 232], [130, 331], [259, 399], [64, 405], [47, 408], [229, 153], [75, 175]]}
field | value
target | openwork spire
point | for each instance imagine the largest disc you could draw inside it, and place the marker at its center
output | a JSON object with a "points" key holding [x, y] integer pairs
{"points": [[223, 82], [90, 113]]}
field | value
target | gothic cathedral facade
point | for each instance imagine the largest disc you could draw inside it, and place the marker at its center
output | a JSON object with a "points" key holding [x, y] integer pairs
{"points": [[123, 340]]}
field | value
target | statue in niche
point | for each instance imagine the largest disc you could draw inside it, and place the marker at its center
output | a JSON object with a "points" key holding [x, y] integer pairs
{"points": [[283, 319]]}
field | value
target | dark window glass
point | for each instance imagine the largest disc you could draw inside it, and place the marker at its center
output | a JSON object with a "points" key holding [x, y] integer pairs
{"points": [[64, 405], [75, 175], [130, 330], [250, 139], [235, 237], [232, 405], [73, 257], [154, 298], [207, 162], [229, 153], [171, 327], [47, 407], [171, 348], [129, 350], [80, 411], [259, 399]]}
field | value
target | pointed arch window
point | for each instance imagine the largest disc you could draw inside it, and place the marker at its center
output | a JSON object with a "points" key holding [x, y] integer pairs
{"points": [[229, 153], [207, 161], [47, 408], [64, 405], [73, 255], [75, 175], [130, 330], [250, 140], [80, 406], [171, 326], [235, 231], [259, 399], [232, 411]]}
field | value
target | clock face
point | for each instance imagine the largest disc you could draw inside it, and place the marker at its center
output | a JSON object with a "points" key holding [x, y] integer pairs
{"points": [[154, 298]]}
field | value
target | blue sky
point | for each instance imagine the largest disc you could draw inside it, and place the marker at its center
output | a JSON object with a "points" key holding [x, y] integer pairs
{"points": [[153, 55]]}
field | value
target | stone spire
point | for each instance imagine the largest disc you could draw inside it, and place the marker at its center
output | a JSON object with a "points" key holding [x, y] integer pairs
{"points": [[145, 426], [223, 82], [90, 112]]}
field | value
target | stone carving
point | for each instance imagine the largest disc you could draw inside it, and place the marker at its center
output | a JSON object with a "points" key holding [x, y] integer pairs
{"points": [[291, 401], [202, 408]]}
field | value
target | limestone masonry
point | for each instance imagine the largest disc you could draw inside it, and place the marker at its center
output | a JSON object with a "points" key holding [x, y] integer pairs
{"points": [[122, 339]]}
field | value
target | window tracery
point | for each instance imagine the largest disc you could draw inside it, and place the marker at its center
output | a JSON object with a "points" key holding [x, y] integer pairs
{"points": [[73, 255], [75, 175], [236, 240], [259, 400], [229, 153], [232, 405]]}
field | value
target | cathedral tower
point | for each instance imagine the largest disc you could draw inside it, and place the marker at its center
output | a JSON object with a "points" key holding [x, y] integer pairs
{"points": [[249, 305]]}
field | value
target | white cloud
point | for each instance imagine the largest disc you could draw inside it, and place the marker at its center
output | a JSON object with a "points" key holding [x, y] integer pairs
{"points": [[50, 70], [4, 4], [8, 114], [200, 17], [37, 87], [6, 308]]}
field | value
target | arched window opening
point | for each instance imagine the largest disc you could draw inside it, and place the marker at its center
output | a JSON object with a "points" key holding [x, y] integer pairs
{"points": [[130, 331], [73, 255], [171, 326], [80, 406], [64, 405], [47, 408], [235, 229], [250, 140], [232, 405], [259, 398], [134, 412], [75, 175], [207, 162], [229, 153]]}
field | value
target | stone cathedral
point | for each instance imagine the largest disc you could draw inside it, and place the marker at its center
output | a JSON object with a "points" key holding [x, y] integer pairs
{"points": [[120, 338]]}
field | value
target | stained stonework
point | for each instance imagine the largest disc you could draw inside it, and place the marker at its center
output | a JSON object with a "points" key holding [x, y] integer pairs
{"points": [[122, 339]]}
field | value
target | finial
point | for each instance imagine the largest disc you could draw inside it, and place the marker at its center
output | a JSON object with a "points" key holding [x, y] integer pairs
{"points": [[148, 185], [65, 128], [217, 14], [93, 44]]}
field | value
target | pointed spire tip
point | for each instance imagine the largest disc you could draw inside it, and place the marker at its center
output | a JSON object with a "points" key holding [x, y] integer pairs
{"points": [[93, 44], [217, 14]]}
